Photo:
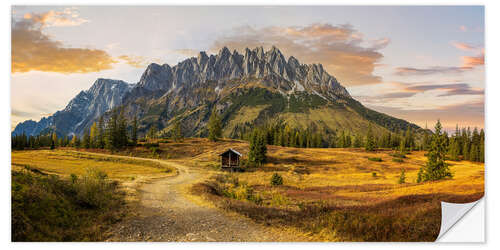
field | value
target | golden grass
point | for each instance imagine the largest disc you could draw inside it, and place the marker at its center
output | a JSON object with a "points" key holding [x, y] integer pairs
{"points": [[66, 162]]}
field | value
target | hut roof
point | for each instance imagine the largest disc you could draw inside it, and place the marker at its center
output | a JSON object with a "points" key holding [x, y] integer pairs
{"points": [[234, 151]]}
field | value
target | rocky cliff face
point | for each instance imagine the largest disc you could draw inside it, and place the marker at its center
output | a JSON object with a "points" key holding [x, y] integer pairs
{"points": [[81, 111], [287, 76]]}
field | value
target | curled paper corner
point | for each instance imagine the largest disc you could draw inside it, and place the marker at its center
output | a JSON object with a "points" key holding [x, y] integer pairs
{"points": [[451, 213]]}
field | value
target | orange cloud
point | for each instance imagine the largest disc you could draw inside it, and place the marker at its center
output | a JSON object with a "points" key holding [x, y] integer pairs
{"points": [[464, 46], [473, 61], [134, 61], [67, 17], [34, 50], [339, 48]]}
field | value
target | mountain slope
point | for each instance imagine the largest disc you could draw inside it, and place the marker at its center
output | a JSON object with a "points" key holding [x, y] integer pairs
{"points": [[81, 111], [247, 89]]}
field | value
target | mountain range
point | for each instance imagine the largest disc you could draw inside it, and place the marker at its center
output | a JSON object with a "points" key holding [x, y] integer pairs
{"points": [[247, 89]]}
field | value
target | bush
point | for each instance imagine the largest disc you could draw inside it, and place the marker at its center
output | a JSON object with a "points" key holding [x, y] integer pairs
{"points": [[94, 190], [374, 174], [151, 145], [49, 208], [276, 180], [398, 155], [402, 177], [375, 159], [399, 160]]}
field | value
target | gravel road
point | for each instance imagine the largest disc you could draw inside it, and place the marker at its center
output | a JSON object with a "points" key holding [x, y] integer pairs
{"points": [[167, 212]]}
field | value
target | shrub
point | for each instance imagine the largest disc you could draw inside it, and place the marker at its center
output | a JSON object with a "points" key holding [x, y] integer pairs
{"points": [[398, 155], [374, 174], [94, 190], [402, 177], [49, 208], [399, 160], [276, 180], [375, 159], [151, 145]]}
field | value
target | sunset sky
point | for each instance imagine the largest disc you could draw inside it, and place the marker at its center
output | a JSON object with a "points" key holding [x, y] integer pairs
{"points": [[414, 63]]}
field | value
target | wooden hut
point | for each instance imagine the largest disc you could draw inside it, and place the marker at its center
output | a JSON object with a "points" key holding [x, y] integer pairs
{"points": [[230, 159]]}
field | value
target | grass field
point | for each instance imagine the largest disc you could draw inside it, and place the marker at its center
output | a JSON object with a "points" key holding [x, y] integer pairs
{"points": [[67, 162], [326, 195]]}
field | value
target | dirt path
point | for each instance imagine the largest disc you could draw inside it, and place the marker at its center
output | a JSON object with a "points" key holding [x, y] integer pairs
{"points": [[167, 212]]}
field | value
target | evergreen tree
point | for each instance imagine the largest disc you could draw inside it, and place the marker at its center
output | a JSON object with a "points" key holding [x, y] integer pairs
{"points": [[86, 139], [436, 167], [111, 135], [101, 133], [341, 140], [121, 137], [258, 149], [134, 131], [455, 149], [214, 126], [358, 141], [370, 140], [481, 146]]}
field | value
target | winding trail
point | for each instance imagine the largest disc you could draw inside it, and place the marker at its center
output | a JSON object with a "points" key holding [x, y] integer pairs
{"points": [[167, 212]]}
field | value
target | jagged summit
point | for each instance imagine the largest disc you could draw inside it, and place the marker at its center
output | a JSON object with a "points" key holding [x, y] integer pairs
{"points": [[287, 75]]}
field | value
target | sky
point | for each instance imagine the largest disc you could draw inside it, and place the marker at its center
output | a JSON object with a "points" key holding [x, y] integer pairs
{"points": [[417, 63]]}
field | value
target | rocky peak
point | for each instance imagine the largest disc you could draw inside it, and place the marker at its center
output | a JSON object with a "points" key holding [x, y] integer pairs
{"points": [[268, 65]]}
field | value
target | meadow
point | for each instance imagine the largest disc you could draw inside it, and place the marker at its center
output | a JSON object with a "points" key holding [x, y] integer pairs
{"points": [[326, 194]]}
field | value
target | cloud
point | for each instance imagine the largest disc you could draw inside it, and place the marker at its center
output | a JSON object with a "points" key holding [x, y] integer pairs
{"points": [[134, 61], [187, 52], [464, 46], [67, 17], [403, 90], [473, 61], [468, 63], [408, 71], [341, 49], [469, 113], [34, 50]]}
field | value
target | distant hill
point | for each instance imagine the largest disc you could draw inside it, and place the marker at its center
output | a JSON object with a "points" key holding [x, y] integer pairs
{"points": [[247, 89]]}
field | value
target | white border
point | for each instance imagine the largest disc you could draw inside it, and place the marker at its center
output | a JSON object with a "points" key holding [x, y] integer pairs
{"points": [[492, 91]]}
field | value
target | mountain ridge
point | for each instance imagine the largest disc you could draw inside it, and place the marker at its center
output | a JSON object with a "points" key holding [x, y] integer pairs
{"points": [[230, 82]]}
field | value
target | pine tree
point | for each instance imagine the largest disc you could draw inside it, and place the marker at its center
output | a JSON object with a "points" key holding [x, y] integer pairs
{"points": [[111, 137], [121, 137], [134, 131], [455, 149], [341, 140], [214, 126], [481, 146], [101, 133], [258, 149], [436, 167], [86, 139], [358, 141], [370, 140]]}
